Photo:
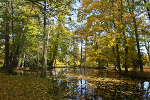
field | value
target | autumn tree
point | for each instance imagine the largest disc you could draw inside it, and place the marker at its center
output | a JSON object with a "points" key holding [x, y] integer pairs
{"points": [[117, 20]]}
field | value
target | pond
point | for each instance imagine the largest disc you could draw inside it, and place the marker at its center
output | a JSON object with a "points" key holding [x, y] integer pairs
{"points": [[95, 84]]}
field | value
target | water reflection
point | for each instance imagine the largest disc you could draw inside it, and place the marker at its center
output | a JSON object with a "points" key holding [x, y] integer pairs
{"points": [[94, 84]]}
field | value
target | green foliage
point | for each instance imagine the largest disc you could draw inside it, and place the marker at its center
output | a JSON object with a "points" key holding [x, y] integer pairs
{"points": [[147, 4]]}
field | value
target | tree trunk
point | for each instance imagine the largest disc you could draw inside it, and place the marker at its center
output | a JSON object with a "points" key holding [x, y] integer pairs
{"points": [[147, 48], [44, 66], [125, 42], [138, 46], [19, 61], [118, 56], [12, 29], [74, 49], [12, 21], [51, 64], [125, 64], [67, 60], [23, 61], [137, 41], [113, 49], [54, 56], [7, 37], [107, 64], [148, 51], [38, 46], [81, 52], [4, 65], [85, 52], [117, 48]]}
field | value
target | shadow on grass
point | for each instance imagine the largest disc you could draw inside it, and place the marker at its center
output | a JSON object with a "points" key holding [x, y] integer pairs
{"points": [[137, 74]]}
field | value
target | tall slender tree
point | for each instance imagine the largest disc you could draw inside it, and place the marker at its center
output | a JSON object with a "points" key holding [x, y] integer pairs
{"points": [[7, 35]]}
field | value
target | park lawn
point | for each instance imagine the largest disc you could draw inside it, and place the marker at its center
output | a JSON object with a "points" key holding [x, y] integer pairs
{"points": [[14, 87]]}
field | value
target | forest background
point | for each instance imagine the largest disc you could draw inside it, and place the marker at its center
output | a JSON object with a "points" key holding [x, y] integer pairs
{"points": [[41, 33]]}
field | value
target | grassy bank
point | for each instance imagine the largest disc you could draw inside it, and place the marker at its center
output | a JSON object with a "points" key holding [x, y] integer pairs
{"points": [[14, 87], [137, 74]]}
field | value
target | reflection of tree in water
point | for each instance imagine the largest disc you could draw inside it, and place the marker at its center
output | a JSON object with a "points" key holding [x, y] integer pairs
{"points": [[106, 89], [75, 84], [68, 87], [144, 87], [59, 86], [121, 90], [58, 89]]}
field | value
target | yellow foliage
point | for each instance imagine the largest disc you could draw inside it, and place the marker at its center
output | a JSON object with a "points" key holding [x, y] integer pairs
{"points": [[91, 19], [145, 59], [24, 17], [86, 2], [94, 5]]}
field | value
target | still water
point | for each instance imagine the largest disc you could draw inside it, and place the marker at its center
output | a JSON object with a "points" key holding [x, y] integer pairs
{"points": [[96, 84]]}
